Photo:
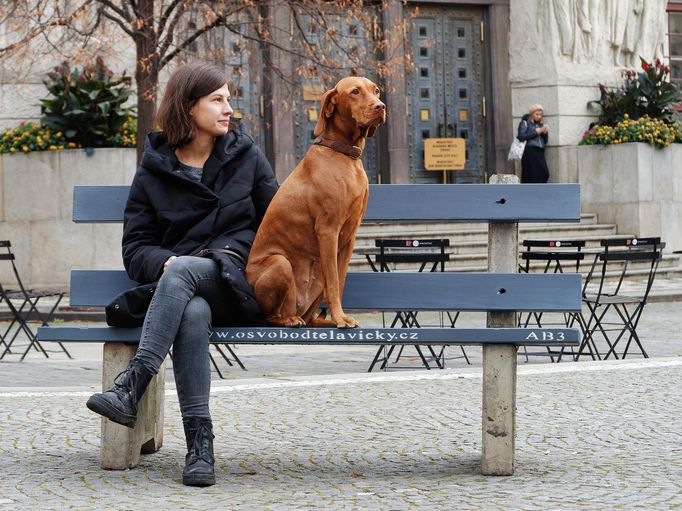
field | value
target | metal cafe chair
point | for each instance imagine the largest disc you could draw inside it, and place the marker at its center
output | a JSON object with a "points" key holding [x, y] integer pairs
{"points": [[23, 306], [554, 256], [612, 287], [430, 255]]}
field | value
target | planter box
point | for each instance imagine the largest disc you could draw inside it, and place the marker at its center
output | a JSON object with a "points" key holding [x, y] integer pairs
{"points": [[635, 186], [36, 195]]}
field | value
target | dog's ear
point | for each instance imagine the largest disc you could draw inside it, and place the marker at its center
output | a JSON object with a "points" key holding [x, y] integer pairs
{"points": [[326, 111]]}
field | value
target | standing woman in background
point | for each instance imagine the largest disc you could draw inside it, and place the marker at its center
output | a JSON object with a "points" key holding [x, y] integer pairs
{"points": [[533, 164], [199, 194]]}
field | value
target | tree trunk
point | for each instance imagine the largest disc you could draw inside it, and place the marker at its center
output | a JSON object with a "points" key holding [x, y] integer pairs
{"points": [[147, 83], [146, 72]]}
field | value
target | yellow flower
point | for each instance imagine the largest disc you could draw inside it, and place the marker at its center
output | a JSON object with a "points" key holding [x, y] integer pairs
{"points": [[24, 148], [12, 150], [53, 148], [71, 145]]}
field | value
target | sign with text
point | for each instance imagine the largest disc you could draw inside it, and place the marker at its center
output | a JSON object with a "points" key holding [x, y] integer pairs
{"points": [[444, 153]]}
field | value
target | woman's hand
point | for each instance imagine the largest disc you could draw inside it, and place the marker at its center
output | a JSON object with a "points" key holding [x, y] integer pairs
{"points": [[167, 263]]}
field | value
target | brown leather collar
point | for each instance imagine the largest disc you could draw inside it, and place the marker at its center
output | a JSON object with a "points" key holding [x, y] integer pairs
{"points": [[349, 150]]}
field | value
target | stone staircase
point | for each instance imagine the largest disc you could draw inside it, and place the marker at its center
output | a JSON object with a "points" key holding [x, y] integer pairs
{"points": [[469, 243]]}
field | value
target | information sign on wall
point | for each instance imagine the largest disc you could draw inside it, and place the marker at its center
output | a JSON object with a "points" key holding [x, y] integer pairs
{"points": [[444, 153]]}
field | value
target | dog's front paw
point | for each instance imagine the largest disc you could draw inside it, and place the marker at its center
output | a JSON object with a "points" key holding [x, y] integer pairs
{"points": [[293, 321], [347, 322]]}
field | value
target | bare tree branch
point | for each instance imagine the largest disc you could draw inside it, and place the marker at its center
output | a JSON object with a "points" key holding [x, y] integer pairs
{"points": [[217, 22], [122, 25], [41, 28], [166, 15]]}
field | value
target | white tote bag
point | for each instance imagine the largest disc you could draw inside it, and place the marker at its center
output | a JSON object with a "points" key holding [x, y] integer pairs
{"points": [[516, 149]]}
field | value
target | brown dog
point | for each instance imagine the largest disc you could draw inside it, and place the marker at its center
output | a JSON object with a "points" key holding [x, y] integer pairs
{"points": [[303, 247]]}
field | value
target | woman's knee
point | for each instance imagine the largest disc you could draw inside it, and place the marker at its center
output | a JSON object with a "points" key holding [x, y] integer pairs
{"points": [[196, 312], [186, 269]]}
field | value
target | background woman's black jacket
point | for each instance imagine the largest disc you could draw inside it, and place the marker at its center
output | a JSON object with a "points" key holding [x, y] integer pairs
{"points": [[170, 214]]}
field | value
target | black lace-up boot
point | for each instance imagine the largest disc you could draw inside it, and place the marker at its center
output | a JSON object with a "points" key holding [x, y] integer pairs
{"points": [[199, 460], [119, 404]]}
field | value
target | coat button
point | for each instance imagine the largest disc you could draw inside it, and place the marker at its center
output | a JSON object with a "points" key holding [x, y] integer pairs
{"points": [[117, 306], [152, 289]]}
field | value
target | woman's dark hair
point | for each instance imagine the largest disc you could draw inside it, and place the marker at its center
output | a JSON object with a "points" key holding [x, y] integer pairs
{"points": [[186, 85]]}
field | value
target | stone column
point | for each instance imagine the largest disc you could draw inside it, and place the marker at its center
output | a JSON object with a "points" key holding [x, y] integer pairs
{"points": [[396, 94], [283, 129]]}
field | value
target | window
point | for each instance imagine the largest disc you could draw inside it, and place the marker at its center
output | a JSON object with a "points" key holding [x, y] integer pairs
{"points": [[675, 43], [675, 39]]}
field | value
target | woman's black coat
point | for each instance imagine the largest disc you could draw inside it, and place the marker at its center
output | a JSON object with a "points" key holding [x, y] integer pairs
{"points": [[169, 214]]}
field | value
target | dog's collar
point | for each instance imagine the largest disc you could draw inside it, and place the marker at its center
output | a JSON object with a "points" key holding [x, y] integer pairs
{"points": [[349, 150]]}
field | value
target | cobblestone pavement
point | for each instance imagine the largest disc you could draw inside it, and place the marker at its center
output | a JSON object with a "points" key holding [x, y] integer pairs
{"points": [[589, 436], [659, 330]]}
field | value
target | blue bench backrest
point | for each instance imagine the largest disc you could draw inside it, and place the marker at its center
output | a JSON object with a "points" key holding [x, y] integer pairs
{"points": [[387, 203], [399, 291]]}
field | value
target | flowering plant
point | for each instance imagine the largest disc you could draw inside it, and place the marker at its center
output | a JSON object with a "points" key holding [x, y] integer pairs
{"points": [[645, 129], [648, 92], [640, 110], [29, 136]]}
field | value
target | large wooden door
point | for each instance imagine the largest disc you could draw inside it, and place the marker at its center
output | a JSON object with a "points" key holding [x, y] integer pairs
{"points": [[354, 39], [446, 88]]}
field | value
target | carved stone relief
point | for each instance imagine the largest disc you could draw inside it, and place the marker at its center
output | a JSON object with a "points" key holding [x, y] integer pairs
{"points": [[606, 32]]}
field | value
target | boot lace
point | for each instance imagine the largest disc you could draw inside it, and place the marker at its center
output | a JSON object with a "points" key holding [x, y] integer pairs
{"points": [[126, 383], [201, 447]]}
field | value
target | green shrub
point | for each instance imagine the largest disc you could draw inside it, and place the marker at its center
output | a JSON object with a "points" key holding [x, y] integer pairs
{"points": [[86, 104]]}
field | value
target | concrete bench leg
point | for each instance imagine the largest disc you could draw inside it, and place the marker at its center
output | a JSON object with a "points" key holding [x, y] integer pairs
{"points": [[499, 362], [499, 410], [121, 446]]}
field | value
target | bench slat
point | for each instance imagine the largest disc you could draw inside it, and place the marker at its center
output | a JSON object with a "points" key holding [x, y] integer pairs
{"points": [[99, 204], [399, 291], [395, 203], [333, 336]]}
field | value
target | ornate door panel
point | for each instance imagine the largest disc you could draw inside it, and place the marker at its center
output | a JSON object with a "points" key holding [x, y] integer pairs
{"points": [[352, 37], [446, 95]]}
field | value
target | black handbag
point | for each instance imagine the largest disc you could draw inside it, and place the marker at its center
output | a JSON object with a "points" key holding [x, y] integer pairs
{"points": [[129, 308]]}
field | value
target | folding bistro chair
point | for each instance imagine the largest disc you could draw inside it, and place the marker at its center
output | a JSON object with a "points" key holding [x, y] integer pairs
{"points": [[430, 255], [611, 288], [23, 307], [554, 256]]}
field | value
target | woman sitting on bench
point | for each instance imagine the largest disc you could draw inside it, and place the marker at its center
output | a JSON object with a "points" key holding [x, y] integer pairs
{"points": [[201, 189]]}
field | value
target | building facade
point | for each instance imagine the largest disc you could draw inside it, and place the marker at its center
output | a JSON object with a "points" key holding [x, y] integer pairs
{"points": [[467, 69]]}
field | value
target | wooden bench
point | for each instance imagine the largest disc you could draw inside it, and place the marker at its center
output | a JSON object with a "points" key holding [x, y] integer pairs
{"points": [[501, 292]]}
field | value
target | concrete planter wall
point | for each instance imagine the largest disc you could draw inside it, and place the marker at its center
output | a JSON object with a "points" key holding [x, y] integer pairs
{"points": [[635, 186], [36, 193]]}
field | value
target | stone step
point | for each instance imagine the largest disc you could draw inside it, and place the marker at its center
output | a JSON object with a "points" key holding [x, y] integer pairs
{"points": [[479, 233], [479, 245], [383, 229]]}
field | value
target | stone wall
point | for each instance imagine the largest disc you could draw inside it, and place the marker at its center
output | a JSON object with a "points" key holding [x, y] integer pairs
{"points": [[636, 186], [560, 50], [36, 195]]}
